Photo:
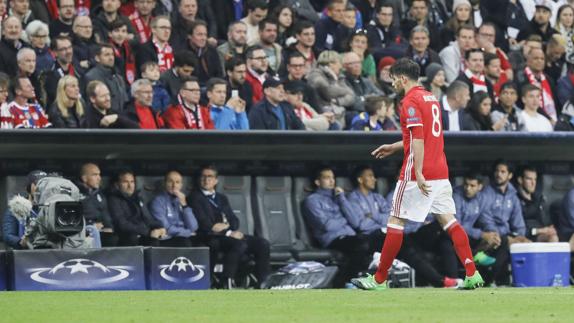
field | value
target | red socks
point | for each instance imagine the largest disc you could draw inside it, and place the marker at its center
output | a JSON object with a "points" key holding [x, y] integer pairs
{"points": [[391, 248], [462, 247]]}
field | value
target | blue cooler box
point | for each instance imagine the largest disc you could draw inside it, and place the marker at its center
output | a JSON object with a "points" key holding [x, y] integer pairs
{"points": [[540, 264]]}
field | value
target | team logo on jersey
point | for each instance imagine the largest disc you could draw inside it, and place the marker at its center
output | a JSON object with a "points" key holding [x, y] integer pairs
{"points": [[182, 270], [411, 111], [74, 271]]}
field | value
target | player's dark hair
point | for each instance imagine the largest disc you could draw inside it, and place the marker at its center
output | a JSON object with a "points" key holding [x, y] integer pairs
{"points": [[526, 168], [358, 172], [474, 176], [406, 67], [318, 171], [504, 162]]}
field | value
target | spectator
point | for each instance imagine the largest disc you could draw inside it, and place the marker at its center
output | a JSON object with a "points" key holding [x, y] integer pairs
{"points": [[184, 63], [26, 59], [221, 226], [189, 11], [170, 207], [310, 118], [95, 204], [375, 116], [305, 45], [297, 71], [461, 15], [104, 71], [506, 109], [272, 113], [65, 64], [303, 9], [419, 50], [477, 115], [208, 60], [382, 32], [385, 80], [566, 219], [20, 9], [38, 37], [566, 119], [533, 121], [4, 89], [564, 88], [161, 99], [285, 17], [485, 39], [328, 212], [539, 226], [452, 56], [101, 114], [555, 59], [85, 46], [225, 116], [124, 58], [418, 15], [236, 84], [141, 19], [157, 49], [227, 13], [362, 86], [453, 105], [140, 109], [109, 14], [358, 45], [62, 26], [187, 114], [518, 56], [257, 65], [10, 44], [236, 45], [267, 41], [493, 73], [435, 80], [330, 26], [540, 24], [67, 111], [256, 12], [133, 222], [20, 113], [565, 26], [473, 74]]}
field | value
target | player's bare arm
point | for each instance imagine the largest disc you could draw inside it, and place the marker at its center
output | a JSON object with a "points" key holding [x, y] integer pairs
{"points": [[387, 150], [419, 156]]}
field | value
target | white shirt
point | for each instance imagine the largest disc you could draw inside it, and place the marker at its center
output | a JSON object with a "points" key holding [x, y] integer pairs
{"points": [[453, 122], [537, 123]]}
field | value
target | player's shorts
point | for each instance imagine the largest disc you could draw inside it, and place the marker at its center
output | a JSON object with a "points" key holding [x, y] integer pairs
{"points": [[409, 202]]}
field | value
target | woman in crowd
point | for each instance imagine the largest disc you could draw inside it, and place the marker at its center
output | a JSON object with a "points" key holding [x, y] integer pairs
{"points": [[436, 80], [38, 36], [67, 111], [565, 25], [285, 16], [477, 115], [359, 44], [462, 14]]}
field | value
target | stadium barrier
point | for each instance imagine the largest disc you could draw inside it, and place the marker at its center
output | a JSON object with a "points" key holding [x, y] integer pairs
{"points": [[132, 268]]}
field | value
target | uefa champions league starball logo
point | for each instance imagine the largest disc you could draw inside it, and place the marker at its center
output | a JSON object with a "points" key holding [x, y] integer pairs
{"points": [[79, 271], [182, 270]]}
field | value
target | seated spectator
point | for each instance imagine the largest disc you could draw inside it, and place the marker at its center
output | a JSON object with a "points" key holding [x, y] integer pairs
{"points": [[272, 113], [566, 219], [109, 14], [461, 15], [183, 66], [68, 110], [236, 45], [207, 57], [507, 109], [133, 222], [452, 56], [124, 58], [4, 89], [13, 232], [539, 226], [518, 55], [435, 80], [141, 19], [418, 15], [100, 113], [20, 113], [257, 66], [21, 10], [157, 49], [171, 208], [328, 213], [453, 106], [161, 100], [187, 113], [566, 119], [486, 38], [375, 116], [358, 44], [228, 115], [382, 32], [555, 59], [297, 71], [84, 41], [62, 26], [65, 64], [303, 9], [533, 121], [564, 88], [10, 44], [361, 85], [565, 26], [38, 36], [473, 74], [190, 11], [140, 110], [330, 30], [305, 45], [256, 11], [236, 71], [95, 204], [105, 71], [310, 118], [477, 115], [493, 73], [540, 23], [285, 17], [385, 81], [267, 41], [419, 50], [26, 59], [219, 224]]}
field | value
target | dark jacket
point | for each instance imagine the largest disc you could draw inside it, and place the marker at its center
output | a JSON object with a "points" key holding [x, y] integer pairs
{"points": [[132, 114], [262, 117], [130, 214], [209, 64], [331, 35], [102, 27], [84, 50], [209, 213], [245, 93], [172, 83], [114, 82], [469, 123], [95, 206], [225, 15], [12, 230], [446, 119], [73, 120], [381, 38], [8, 51], [430, 57], [145, 53], [93, 118], [534, 212], [408, 24]]}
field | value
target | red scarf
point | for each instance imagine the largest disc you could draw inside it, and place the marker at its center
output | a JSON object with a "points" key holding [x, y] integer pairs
{"points": [[164, 56], [83, 7], [129, 60], [190, 119], [143, 29], [303, 113], [478, 83], [546, 99]]}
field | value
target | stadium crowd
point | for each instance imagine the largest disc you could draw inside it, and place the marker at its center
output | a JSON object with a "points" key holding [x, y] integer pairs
{"points": [[495, 65]]}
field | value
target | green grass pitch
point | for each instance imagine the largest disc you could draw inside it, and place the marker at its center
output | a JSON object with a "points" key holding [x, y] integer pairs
{"points": [[348, 306]]}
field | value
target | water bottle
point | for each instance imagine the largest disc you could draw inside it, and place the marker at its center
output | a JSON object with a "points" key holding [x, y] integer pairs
{"points": [[557, 281]]}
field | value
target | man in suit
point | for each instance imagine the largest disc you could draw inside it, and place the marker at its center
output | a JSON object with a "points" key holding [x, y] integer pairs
{"points": [[452, 104]]}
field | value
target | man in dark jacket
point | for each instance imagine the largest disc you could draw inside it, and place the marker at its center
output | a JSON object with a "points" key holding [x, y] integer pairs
{"points": [[132, 220], [272, 113], [84, 42], [95, 205], [209, 64], [219, 225], [100, 114], [9, 45]]}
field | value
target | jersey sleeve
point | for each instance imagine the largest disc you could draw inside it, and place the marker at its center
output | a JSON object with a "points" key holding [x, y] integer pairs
{"points": [[412, 114]]}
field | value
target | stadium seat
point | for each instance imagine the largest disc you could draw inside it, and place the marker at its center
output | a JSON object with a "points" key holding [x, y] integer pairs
{"points": [[344, 183], [555, 187], [238, 191], [382, 186]]}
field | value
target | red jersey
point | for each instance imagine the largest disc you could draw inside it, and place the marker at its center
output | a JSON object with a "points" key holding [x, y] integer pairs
{"points": [[420, 108]]}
